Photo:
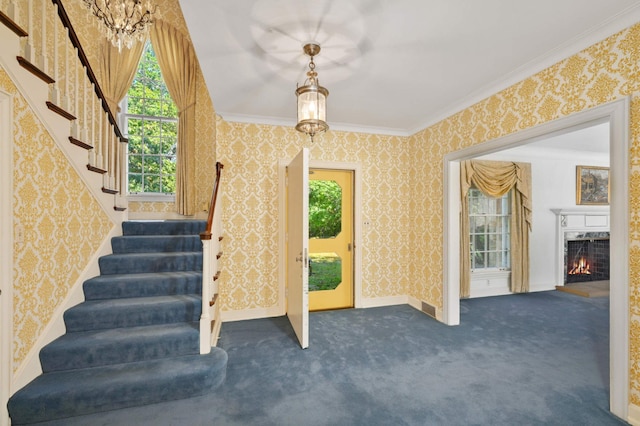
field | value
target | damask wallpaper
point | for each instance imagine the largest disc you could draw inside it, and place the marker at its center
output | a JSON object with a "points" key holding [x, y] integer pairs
{"points": [[604, 72], [250, 154], [61, 222], [401, 177]]}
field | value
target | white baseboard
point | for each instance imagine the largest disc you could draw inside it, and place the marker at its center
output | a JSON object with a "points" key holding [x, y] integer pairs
{"points": [[505, 291], [30, 367], [249, 314], [276, 311], [634, 415], [375, 302], [417, 304]]}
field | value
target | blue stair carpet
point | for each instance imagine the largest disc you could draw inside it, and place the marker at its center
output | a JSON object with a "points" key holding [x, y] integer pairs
{"points": [[135, 339]]}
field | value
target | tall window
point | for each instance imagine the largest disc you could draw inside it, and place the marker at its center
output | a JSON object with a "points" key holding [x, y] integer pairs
{"points": [[151, 125], [489, 220]]}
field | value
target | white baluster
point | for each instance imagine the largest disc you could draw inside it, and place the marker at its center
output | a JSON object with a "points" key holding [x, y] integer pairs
{"points": [[65, 93], [42, 57], [55, 91], [75, 126], [95, 157], [29, 51], [114, 158], [12, 11], [85, 108], [97, 145]]}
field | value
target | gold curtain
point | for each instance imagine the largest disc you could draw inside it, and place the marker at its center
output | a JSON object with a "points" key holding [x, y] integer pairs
{"points": [[496, 178], [178, 64], [118, 70]]}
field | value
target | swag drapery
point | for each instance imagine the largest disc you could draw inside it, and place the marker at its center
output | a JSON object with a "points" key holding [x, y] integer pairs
{"points": [[178, 64], [494, 179]]}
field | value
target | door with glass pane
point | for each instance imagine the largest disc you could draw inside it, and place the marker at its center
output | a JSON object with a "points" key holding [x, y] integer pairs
{"points": [[330, 239]]}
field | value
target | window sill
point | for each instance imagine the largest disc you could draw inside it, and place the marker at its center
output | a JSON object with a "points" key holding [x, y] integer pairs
{"points": [[490, 273], [152, 198]]}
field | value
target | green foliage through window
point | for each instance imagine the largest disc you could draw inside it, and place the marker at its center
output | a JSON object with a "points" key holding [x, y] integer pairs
{"points": [[489, 220], [151, 124], [325, 209]]}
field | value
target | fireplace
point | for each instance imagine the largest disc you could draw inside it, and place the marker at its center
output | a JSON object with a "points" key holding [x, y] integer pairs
{"points": [[582, 244], [586, 256]]}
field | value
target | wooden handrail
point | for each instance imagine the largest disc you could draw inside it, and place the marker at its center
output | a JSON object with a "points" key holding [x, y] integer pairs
{"points": [[206, 234], [62, 13]]}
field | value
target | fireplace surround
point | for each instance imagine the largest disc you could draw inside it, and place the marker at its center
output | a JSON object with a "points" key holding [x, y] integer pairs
{"points": [[582, 244]]}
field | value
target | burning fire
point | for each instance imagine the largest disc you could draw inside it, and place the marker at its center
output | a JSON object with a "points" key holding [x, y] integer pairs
{"points": [[580, 267]]}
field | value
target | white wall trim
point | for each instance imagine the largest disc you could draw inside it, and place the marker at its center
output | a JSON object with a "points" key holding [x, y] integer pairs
{"points": [[357, 226], [617, 114], [30, 367], [6, 248], [376, 302], [634, 415], [249, 314]]}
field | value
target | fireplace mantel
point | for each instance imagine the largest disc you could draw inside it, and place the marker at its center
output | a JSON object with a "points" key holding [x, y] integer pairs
{"points": [[577, 219]]}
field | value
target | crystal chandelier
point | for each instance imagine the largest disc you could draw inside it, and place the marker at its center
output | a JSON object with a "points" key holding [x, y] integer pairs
{"points": [[312, 99], [123, 21]]}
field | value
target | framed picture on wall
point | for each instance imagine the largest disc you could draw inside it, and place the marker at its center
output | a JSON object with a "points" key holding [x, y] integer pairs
{"points": [[592, 185]]}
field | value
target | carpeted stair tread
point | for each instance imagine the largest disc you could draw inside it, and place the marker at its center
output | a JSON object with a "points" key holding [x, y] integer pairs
{"points": [[135, 340], [134, 263], [164, 227], [96, 348], [132, 312], [155, 243], [64, 394], [142, 285]]}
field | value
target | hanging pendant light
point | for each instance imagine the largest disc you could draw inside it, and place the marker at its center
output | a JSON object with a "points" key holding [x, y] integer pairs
{"points": [[312, 99], [123, 21]]}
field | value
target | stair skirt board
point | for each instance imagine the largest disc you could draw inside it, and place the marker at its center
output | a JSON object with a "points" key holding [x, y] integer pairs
{"points": [[135, 338]]}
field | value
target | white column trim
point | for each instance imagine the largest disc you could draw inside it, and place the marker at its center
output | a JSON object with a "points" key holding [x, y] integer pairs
{"points": [[6, 247]]}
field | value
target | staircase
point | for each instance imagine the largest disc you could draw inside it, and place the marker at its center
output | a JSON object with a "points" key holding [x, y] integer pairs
{"points": [[135, 339]]}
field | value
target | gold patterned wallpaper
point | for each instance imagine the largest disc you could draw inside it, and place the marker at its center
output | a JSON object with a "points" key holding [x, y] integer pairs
{"points": [[401, 176], [250, 154], [603, 72], [62, 224]]}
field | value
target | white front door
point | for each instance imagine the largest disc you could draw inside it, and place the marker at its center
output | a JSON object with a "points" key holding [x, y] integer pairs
{"points": [[298, 245]]}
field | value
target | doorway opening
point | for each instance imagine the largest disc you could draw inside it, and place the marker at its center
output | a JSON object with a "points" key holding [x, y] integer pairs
{"points": [[617, 115], [330, 239], [356, 253]]}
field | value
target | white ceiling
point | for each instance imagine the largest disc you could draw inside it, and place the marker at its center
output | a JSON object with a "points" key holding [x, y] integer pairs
{"points": [[391, 66], [585, 142]]}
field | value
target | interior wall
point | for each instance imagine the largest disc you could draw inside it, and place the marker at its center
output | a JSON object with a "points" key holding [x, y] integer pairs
{"points": [[251, 153], [601, 73], [59, 222], [553, 186]]}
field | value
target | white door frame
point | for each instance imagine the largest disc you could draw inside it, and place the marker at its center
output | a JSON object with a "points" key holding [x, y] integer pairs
{"points": [[6, 248], [617, 114], [357, 227]]}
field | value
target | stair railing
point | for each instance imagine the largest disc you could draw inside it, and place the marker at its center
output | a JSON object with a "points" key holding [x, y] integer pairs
{"points": [[211, 237], [51, 50]]}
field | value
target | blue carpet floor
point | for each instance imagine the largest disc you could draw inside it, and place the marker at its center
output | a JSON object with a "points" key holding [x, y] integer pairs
{"points": [[534, 359]]}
